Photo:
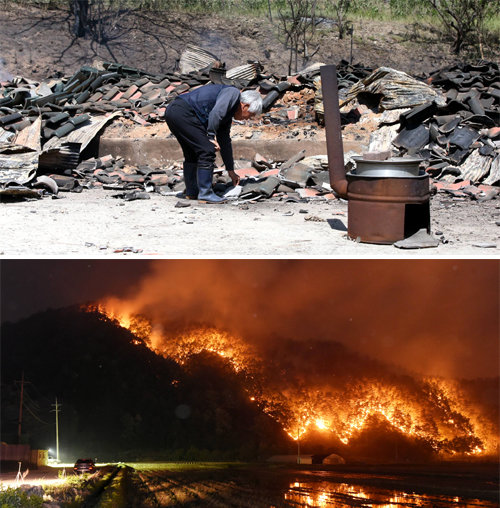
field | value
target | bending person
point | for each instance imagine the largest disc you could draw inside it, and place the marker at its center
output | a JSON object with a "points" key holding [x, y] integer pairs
{"points": [[201, 122]]}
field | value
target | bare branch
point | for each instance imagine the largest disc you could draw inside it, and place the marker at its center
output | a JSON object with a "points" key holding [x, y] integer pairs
{"points": [[464, 20]]}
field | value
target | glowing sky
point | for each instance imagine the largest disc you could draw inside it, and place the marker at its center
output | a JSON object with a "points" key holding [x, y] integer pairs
{"points": [[436, 317]]}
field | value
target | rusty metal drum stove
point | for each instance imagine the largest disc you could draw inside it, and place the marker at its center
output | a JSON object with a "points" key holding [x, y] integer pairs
{"points": [[387, 200]]}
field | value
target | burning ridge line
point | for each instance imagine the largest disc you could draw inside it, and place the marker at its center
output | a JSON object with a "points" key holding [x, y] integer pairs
{"points": [[431, 409]]}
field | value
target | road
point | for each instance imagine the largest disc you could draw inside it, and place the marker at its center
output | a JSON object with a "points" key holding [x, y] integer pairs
{"points": [[94, 224], [44, 475]]}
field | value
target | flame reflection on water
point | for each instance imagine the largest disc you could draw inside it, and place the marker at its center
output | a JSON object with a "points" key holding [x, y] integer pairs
{"points": [[342, 495]]}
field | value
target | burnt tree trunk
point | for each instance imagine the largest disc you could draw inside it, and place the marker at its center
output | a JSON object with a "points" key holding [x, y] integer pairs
{"points": [[80, 9]]}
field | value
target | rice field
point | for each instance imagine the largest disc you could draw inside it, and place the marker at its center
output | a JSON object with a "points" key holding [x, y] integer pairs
{"points": [[253, 486]]}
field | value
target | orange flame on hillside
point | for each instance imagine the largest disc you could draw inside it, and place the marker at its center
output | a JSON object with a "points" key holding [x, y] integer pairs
{"points": [[437, 412], [138, 325]]}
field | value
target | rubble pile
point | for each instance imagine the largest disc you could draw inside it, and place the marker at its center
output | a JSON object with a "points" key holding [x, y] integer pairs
{"points": [[450, 119], [112, 173], [291, 180], [465, 134], [298, 178], [456, 133], [65, 104], [45, 127]]}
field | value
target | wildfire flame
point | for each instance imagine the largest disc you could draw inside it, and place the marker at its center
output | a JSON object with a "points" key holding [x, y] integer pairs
{"points": [[434, 410]]}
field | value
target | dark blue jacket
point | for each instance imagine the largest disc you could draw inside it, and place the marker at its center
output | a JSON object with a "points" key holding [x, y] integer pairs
{"points": [[215, 106]]}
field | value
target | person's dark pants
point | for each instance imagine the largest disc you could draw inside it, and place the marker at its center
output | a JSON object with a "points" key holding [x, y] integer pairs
{"points": [[199, 151], [191, 135]]}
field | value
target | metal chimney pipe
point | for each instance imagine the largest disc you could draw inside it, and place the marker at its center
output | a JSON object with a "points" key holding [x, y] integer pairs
{"points": [[334, 148]]}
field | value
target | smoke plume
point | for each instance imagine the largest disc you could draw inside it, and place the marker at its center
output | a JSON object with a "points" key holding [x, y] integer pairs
{"points": [[429, 317]]}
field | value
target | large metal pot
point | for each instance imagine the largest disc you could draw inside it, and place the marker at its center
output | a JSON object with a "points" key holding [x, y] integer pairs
{"points": [[395, 167]]}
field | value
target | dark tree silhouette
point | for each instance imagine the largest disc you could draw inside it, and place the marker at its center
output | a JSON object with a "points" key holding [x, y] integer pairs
{"points": [[80, 11]]}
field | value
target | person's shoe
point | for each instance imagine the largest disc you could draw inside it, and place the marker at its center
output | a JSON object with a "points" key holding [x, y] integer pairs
{"points": [[189, 170], [183, 195], [206, 194]]}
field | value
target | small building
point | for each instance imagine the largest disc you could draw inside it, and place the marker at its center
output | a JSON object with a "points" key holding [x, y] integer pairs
{"points": [[15, 453], [39, 457], [24, 454], [333, 458]]}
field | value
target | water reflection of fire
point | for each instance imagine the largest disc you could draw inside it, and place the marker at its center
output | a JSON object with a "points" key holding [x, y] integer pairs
{"points": [[429, 409], [344, 494]]}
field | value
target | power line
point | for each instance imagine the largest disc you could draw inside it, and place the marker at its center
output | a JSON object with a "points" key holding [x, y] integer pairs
{"points": [[34, 415], [25, 400]]}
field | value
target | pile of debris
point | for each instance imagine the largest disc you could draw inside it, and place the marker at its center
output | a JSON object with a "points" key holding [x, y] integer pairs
{"points": [[450, 119], [292, 180], [298, 178], [466, 133], [65, 104], [46, 127], [453, 126]]}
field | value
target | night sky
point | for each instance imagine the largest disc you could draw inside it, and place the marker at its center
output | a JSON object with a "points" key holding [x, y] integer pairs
{"points": [[437, 317]]}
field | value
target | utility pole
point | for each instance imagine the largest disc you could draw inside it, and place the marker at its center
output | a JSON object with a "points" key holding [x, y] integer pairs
{"points": [[57, 409], [20, 421]]}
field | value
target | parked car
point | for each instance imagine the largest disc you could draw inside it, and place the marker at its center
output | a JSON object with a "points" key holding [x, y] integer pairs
{"points": [[84, 466]]}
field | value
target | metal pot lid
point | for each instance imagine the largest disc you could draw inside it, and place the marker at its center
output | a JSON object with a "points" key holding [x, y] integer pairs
{"points": [[390, 161], [396, 167], [352, 175]]}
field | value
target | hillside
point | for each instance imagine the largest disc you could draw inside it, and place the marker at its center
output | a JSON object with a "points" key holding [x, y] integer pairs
{"points": [[212, 397], [37, 42], [119, 399]]}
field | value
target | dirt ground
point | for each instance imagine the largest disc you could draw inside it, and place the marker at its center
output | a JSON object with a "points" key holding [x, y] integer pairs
{"points": [[94, 224], [37, 42]]}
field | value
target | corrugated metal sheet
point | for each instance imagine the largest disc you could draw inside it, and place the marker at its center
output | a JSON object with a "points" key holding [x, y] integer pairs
{"points": [[311, 69], [475, 167], [31, 136], [494, 176], [66, 156], [194, 58], [82, 135], [248, 71], [19, 167], [397, 89]]}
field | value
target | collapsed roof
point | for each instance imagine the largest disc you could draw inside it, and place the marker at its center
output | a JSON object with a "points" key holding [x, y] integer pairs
{"points": [[450, 119]]}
